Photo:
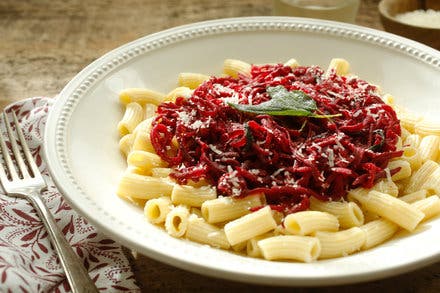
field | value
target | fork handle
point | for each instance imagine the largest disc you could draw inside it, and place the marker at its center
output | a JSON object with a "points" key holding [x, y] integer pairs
{"points": [[77, 276]]}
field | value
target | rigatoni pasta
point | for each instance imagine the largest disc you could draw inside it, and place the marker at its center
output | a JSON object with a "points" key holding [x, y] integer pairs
{"points": [[192, 196], [390, 208], [200, 231], [341, 66], [250, 225], [191, 80], [157, 209], [140, 96], [126, 143], [132, 117], [291, 247], [349, 214], [176, 221], [233, 67], [309, 222], [225, 208], [341, 243], [377, 232], [145, 187], [429, 206]]}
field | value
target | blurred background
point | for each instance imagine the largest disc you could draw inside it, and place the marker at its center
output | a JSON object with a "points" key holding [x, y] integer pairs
{"points": [[44, 43]]}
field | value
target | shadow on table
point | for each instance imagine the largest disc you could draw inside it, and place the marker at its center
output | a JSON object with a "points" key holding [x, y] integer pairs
{"points": [[156, 276]]}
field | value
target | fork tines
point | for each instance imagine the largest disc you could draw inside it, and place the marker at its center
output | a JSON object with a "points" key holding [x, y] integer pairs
{"points": [[28, 170]]}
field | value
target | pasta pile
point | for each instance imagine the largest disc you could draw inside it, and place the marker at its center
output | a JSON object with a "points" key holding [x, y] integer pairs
{"points": [[328, 229]]}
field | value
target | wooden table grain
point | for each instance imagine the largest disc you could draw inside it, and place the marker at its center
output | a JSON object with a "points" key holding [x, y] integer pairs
{"points": [[44, 43]]}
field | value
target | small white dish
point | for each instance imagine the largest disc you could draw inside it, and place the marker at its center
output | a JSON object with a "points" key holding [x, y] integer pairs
{"points": [[81, 137]]}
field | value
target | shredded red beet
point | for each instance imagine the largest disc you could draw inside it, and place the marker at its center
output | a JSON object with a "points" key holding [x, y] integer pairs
{"points": [[288, 158]]}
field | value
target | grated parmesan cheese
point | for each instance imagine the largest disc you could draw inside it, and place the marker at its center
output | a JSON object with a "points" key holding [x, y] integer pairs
{"points": [[197, 124], [331, 158], [215, 150], [425, 18], [388, 173]]}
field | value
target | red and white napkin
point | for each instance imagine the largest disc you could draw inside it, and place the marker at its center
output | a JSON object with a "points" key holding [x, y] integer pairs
{"points": [[28, 262]]}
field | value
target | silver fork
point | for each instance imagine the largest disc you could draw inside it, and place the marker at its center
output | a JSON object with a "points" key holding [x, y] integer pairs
{"points": [[28, 183]]}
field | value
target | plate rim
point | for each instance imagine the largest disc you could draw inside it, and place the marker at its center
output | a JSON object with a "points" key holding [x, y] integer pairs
{"points": [[54, 137]]}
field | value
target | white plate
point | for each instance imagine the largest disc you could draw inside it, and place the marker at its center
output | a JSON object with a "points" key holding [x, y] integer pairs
{"points": [[82, 142]]}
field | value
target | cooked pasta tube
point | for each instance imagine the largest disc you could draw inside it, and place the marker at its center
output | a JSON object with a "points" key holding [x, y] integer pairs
{"points": [[140, 95], [196, 211], [341, 66], [192, 196], [157, 209], [342, 243], [227, 208], [429, 148], [353, 194], [144, 126], [426, 127], [199, 183], [144, 160], [404, 169], [191, 80], [135, 170], [239, 247], [233, 68], [278, 217], [252, 248], [386, 186], [401, 185], [250, 225], [308, 222], [280, 230], [404, 134], [391, 208], [149, 111], [408, 119], [292, 63], [349, 214], [383, 185], [388, 99], [432, 183], [370, 216], [142, 141], [126, 143], [430, 206], [413, 140], [294, 247], [418, 179], [412, 156], [181, 91], [377, 232], [202, 232], [414, 196], [132, 117], [146, 187], [176, 221], [160, 172]]}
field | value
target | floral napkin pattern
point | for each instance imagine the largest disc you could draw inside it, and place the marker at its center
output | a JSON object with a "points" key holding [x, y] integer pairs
{"points": [[28, 261]]}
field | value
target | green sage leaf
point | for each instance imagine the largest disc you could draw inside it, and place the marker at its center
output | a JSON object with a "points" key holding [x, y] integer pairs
{"points": [[284, 103]]}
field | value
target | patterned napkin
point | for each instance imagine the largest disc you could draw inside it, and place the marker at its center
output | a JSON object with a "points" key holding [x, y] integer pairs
{"points": [[28, 261]]}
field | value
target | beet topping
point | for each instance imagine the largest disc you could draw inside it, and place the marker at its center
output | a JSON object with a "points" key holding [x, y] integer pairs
{"points": [[288, 158]]}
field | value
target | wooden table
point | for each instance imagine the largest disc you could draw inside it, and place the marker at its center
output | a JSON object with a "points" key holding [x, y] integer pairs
{"points": [[44, 43]]}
